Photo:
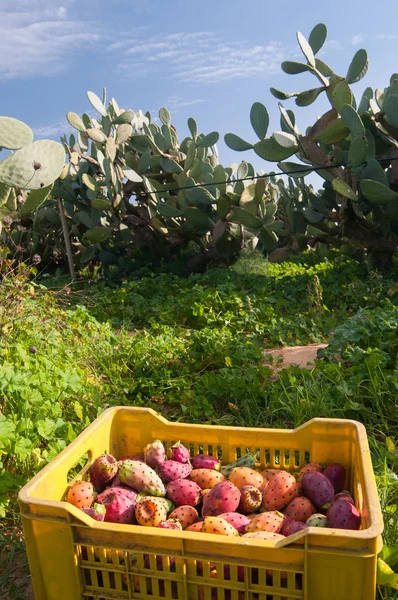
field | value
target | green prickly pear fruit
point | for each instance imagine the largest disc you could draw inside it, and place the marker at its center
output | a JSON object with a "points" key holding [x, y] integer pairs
{"points": [[141, 477]]}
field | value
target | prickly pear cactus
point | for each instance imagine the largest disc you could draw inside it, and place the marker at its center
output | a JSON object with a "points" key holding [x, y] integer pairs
{"points": [[352, 146], [132, 185]]}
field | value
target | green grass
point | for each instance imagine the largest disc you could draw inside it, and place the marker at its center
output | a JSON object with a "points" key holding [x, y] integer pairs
{"points": [[194, 349]]}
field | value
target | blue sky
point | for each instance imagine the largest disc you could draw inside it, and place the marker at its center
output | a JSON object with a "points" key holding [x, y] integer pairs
{"points": [[210, 59]]}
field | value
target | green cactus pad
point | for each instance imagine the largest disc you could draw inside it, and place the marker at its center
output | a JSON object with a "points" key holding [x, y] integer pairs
{"points": [[236, 143], [164, 116], [35, 199], [281, 95], [34, 166], [97, 104], [125, 117], [352, 120], [294, 68], [193, 127], [243, 216], [358, 67], [259, 119], [14, 134], [308, 97], [75, 121], [306, 49], [377, 192], [209, 140], [318, 37], [96, 135], [4, 193], [342, 188], [269, 149]]}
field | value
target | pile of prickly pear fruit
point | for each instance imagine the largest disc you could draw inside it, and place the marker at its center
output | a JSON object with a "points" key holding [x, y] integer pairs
{"points": [[175, 491]]}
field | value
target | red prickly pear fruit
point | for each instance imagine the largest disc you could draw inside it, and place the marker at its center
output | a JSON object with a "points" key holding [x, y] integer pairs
{"points": [[236, 520], [102, 471], [204, 461], [224, 497], [179, 453], [218, 526], [150, 511], [123, 490], [154, 454], [264, 535], [204, 493], [264, 485], [250, 499], [314, 466], [316, 520], [344, 495], [290, 526], [281, 489], [300, 509], [119, 508], [185, 514], [343, 515], [81, 494], [183, 491], [242, 476], [195, 527], [170, 524], [267, 521], [269, 473], [170, 470], [336, 475], [206, 478], [116, 482], [317, 488], [97, 512]]}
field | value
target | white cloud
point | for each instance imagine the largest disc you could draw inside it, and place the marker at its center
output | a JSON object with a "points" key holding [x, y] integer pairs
{"points": [[357, 39], [331, 45], [199, 57], [389, 37], [54, 130], [37, 39]]}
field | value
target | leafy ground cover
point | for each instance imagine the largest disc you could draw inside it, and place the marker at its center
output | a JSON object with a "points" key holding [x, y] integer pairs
{"points": [[195, 350]]}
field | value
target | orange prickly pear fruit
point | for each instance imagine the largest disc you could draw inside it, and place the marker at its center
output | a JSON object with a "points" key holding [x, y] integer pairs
{"points": [[242, 476], [185, 514], [206, 478], [195, 526], [218, 526], [280, 491], [267, 521], [81, 494], [268, 473]]}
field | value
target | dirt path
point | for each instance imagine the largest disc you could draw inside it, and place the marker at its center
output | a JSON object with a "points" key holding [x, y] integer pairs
{"points": [[302, 356]]}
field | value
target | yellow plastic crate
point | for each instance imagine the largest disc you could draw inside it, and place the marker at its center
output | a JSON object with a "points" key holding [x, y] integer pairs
{"points": [[73, 557]]}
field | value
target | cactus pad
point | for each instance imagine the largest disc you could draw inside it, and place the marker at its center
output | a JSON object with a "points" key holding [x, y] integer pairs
{"points": [[34, 166], [14, 134]]}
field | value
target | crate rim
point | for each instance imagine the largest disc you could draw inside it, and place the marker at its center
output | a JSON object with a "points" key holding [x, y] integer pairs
{"points": [[375, 529]]}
